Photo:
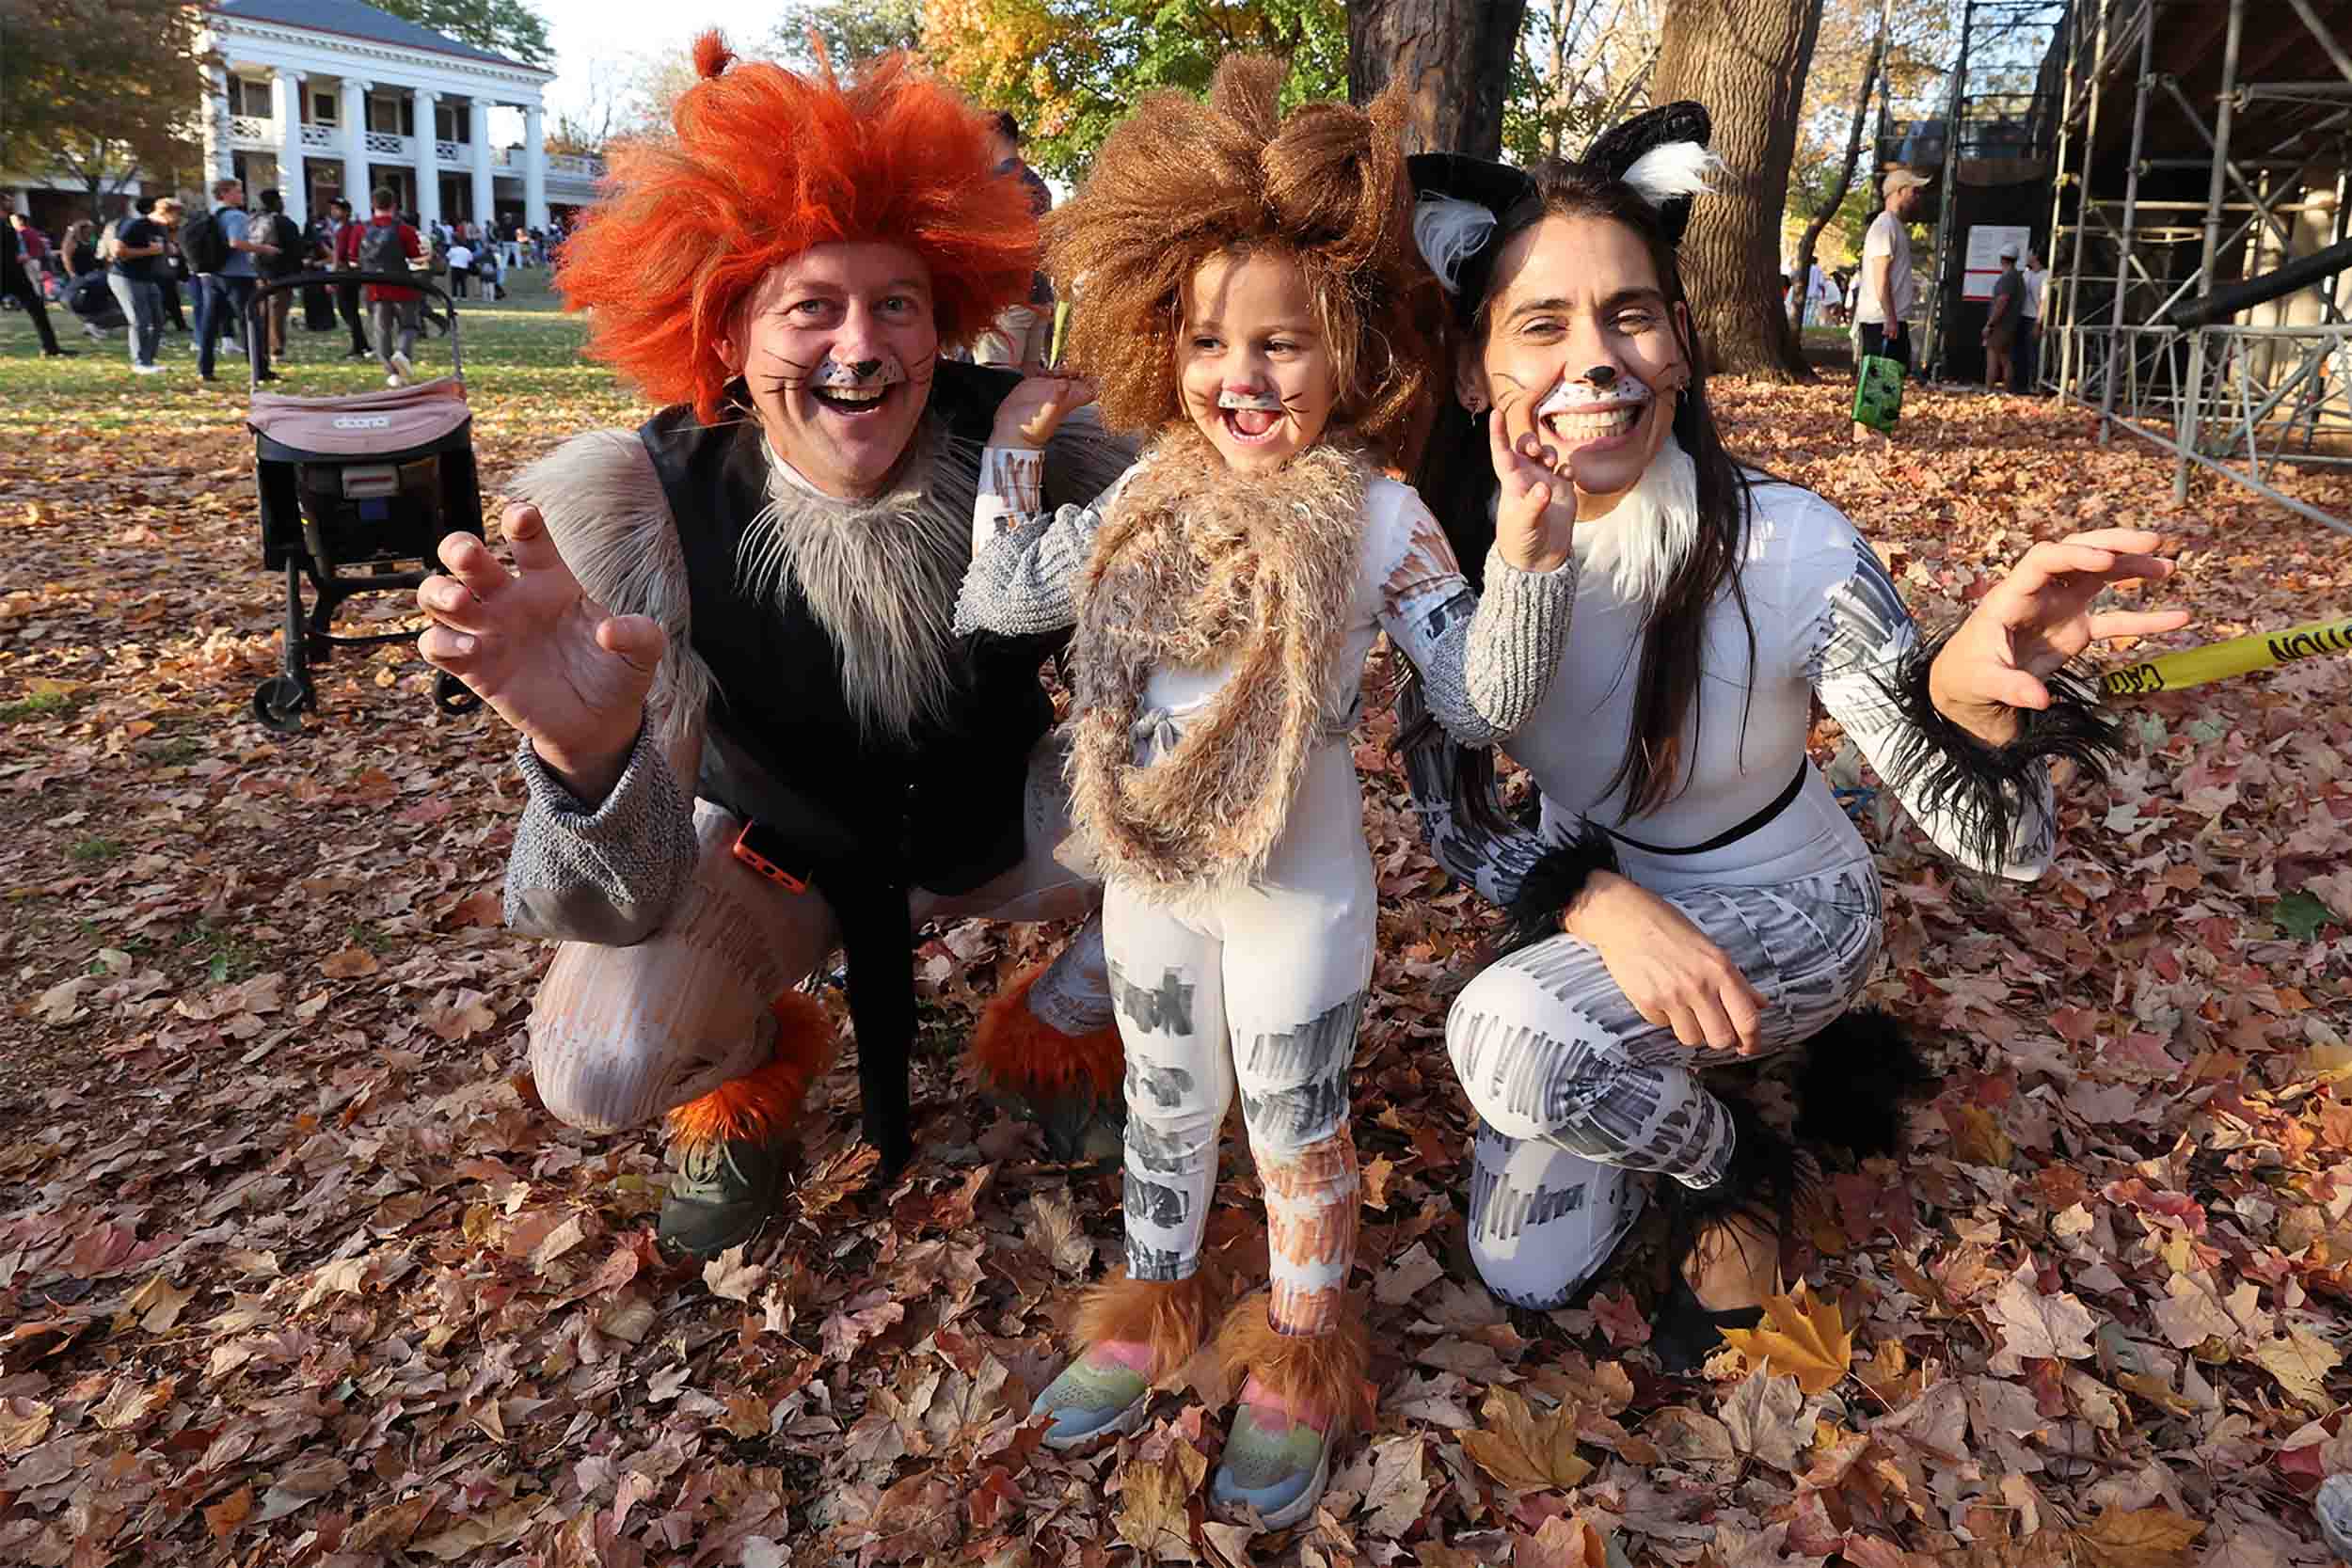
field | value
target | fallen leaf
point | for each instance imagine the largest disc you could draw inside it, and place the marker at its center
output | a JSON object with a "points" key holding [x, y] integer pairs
{"points": [[728, 1278], [1801, 1336], [1522, 1450], [1152, 1515], [2137, 1538], [2037, 1327], [2300, 1360]]}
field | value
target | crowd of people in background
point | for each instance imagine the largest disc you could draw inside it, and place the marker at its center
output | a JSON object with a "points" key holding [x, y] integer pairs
{"points": [[127, 274]]}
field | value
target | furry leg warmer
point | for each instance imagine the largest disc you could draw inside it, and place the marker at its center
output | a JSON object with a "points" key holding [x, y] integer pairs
{"points": [[1324, 1373], [1857, 1073], [1170, 1316], [767, 1099], [1019, 1054]]}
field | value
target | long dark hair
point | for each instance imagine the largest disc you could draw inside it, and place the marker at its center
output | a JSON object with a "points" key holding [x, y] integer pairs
{"points": [[1456, 479]]}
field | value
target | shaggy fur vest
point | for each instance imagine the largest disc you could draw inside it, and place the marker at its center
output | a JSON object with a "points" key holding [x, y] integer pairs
{"points": [[1199, 567]]}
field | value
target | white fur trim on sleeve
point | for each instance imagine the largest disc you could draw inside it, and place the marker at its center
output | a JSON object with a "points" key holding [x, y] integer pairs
{"points": [[1671, 169]]}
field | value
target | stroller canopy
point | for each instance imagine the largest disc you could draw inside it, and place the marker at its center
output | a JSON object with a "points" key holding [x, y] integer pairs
{"points": [[394, 420]]}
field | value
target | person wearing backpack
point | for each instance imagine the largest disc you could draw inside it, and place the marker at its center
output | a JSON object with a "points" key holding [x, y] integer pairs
{"points": [[388, 245], [281, 232], [225, 248]]}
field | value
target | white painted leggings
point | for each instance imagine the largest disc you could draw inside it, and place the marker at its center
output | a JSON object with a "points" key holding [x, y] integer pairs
{"points": [[1263, 988], [1578, 1095]]}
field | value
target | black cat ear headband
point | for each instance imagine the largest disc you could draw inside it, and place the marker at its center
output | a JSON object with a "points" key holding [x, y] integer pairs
{"points": [[1466, 209]]}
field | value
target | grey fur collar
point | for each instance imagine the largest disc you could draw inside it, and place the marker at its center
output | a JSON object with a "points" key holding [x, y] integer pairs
{"points": [[879, 575]]}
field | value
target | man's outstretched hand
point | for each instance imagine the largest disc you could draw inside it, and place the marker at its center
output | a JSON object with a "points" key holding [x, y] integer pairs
{"points": [[2036, 619], [551, 660]]}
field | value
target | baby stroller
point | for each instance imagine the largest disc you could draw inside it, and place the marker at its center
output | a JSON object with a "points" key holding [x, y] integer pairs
{"points": [[375, 481]]}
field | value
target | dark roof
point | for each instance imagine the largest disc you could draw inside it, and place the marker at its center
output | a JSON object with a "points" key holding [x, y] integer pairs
{"points": [[355, 18]]}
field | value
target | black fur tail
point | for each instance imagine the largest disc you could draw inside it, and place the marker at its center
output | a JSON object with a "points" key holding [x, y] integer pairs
{"points": [[1856, 1074]]}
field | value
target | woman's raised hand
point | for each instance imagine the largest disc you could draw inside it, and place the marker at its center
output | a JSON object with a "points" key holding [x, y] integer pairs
{"points": [[551, 660], [1035, 409], [2036, 619], [1535, 512]]}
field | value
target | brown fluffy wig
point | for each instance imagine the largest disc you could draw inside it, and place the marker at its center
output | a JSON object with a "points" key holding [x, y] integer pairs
{"points": [[1184, 180]]}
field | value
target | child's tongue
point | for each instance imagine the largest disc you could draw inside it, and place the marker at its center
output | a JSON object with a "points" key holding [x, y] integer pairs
{"points": [[1253, 421]]}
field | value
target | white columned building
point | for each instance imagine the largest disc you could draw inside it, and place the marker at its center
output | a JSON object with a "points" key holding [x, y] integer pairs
{"points": [[323, 99]]}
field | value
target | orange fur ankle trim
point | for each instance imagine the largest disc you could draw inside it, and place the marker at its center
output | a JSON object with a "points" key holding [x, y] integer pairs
{"points": [[1321, 1371], [1019, 1052], [1170, 1316], [767, 1099]]}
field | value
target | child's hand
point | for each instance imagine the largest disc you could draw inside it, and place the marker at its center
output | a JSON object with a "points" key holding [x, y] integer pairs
{"points": [[1535, 517], [1036, 409]]}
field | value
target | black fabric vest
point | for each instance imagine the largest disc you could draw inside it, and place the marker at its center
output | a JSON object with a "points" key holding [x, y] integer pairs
{"points": [[870, 817]]}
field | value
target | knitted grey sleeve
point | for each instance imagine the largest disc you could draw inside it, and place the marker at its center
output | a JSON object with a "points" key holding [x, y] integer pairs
{"points": [[609, 875], [1025, 559], [1486, 660]]}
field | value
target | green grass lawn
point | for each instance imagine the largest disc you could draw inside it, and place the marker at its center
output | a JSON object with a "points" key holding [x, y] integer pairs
{"points": [[521, 356]]}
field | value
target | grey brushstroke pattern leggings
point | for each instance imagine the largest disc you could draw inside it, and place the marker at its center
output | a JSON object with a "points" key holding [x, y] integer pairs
{"points": [[1577, 1092]]}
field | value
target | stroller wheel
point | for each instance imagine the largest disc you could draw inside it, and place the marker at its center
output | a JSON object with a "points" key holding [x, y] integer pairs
{"points": [[279, 700], [454, 696]]}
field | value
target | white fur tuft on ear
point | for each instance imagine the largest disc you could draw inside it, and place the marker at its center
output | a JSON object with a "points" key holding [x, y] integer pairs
{"points": [[1448, 233], [1671, 169]]}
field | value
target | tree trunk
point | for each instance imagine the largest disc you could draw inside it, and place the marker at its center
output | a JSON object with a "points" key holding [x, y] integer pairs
{"points": [[1829, 203], [1454, 55], [1746, 60]]}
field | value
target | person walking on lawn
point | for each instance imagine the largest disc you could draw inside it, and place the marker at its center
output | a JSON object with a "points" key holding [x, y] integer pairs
{"points": [[384, 244], [16, 281], [228, 274]]}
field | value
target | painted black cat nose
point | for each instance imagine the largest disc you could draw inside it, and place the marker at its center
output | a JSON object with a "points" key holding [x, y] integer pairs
{"points": [[865, 369], [1601, 375]]}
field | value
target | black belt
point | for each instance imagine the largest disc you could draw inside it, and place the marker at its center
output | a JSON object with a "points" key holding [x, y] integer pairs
{"points": [[1733, 834]]}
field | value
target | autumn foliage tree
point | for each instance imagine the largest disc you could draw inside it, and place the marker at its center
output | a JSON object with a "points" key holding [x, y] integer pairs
{"points": [[99, 91], [1746, 60], [1070, 72]]}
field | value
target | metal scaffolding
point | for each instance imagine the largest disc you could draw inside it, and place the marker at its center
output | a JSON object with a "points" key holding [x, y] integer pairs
{"points": [[2232, 173]]}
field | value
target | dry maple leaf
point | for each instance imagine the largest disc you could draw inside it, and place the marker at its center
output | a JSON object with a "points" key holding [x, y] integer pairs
{"points": [[1801, 1336], [1523, 1450], [1152, 1515], [2300, 1360], [730, 1278], [1563, 1540], [2136, 1538]]}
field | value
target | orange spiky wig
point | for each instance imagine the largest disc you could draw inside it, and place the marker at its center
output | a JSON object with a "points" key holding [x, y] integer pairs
{"points": [[1182, 181], [765, 163]]}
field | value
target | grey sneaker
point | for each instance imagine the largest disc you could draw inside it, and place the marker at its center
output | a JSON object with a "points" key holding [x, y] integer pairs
{"points": [[723, 1191]]}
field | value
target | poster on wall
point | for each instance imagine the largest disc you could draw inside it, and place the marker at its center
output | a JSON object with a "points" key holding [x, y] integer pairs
{"points": [[1983, 264]]}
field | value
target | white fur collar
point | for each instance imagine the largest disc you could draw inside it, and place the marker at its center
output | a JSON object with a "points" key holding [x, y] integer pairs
{"points": [[1646, 537]]}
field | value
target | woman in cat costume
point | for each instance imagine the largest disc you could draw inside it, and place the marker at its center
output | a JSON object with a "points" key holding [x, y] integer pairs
{"points": [[1247, 298], [1693, 895]]}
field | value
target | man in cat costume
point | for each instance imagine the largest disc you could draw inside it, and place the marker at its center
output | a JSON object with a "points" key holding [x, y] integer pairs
{"points": [[740, 614]]}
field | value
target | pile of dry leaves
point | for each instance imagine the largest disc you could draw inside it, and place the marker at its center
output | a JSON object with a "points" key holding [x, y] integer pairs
{"points": [[292, 1270]]}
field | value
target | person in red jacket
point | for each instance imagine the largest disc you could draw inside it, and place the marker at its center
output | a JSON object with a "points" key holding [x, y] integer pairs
{"points": [[386, 245]]}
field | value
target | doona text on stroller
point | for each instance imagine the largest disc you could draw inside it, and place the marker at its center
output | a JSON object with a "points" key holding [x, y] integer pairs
{"points": [[375, 481]]}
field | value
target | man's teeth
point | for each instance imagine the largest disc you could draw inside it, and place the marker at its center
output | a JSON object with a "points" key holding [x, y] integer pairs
{"points": [[845, 394]]}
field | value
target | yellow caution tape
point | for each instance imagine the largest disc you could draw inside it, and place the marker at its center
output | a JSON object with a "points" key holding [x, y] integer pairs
{"points": [[2220, 660]]}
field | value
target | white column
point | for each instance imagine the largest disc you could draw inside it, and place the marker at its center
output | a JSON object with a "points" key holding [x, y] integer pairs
{"points": [[217, 160], [535, 167], [356, 180], [428, 159], [294, 181], [485, 202]]}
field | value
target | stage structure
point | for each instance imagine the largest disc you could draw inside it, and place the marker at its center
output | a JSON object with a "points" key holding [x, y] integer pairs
{"points": [[2200, 280]]}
